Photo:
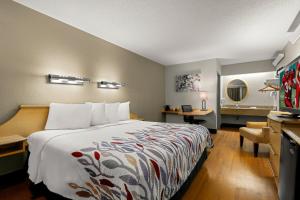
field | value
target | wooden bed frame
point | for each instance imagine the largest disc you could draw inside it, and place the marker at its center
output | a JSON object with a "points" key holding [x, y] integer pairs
{"points": [[30, 119]]}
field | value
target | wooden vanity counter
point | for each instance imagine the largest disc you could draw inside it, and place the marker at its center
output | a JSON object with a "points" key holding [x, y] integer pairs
{"points": [[247, 110]]}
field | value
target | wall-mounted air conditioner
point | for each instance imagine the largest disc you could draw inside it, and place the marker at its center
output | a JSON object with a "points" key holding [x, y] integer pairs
{"points": [[278, 58]]}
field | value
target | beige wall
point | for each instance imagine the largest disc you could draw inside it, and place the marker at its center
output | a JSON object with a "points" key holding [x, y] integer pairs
{"points": [[33, 45]]}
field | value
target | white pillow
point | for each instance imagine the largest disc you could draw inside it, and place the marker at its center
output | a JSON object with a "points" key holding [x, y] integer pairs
{"points": [[124, 111], [69, 116], [98, 113], [112, 112]]}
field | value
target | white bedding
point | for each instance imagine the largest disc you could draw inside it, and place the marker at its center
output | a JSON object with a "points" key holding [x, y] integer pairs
{"points": [[60, 159]]}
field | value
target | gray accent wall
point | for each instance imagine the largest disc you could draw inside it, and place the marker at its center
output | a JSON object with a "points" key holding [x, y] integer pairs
{"points": [[209, 70], [254, 74], [248, 67], [254, 82], [33, 45]]}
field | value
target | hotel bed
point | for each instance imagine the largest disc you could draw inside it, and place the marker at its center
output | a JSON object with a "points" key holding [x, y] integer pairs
{"points": [[125, 160]]}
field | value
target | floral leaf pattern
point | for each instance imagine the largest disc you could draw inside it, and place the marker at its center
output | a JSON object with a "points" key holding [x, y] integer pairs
{"points": [[131, 160], [151, 163], [97, 155], [129, 180], [106, 182], [89, 149], [110, 164], [83, 194], [91, 172], [156, 167], [83, 161]]}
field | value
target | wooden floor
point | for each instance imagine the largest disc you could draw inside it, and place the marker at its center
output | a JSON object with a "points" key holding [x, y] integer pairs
{"points": [[229, 173], [234, 173]]}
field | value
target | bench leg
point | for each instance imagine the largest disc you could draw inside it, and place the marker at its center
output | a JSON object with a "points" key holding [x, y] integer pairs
{"points": [[241, 141], [255, 146]]}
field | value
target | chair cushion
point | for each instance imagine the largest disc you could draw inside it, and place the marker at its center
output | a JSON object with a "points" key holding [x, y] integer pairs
{"points": [[253, 134], [256, 124]]}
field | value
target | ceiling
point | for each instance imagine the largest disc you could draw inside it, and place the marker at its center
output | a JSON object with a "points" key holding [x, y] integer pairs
{"points": [[179, 31]]}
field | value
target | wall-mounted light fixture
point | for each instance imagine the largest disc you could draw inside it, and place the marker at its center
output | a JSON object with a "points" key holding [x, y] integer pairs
{"points": [[69, 80], [109, 85]]}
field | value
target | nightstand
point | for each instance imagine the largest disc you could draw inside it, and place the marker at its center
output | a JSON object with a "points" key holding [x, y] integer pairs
{"points": [[134, 116], [11, 145], [13, 154]]}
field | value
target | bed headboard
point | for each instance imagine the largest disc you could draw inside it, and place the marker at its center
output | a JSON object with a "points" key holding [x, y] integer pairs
{"points": [[29, 119]]}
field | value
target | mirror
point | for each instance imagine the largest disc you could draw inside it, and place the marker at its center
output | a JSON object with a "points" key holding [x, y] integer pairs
{"points": [[237, 90]]}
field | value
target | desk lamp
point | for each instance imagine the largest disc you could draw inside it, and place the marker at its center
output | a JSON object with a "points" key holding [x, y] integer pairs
{"points": [[204, 98]]}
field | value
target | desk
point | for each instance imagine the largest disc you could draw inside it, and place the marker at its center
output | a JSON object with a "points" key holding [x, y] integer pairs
{"points": [[177, 117], [195, 112]]}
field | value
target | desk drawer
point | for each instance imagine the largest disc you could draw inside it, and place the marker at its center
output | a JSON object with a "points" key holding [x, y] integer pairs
{"points": [[275, 141], [275, 126], [274, 159]]}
